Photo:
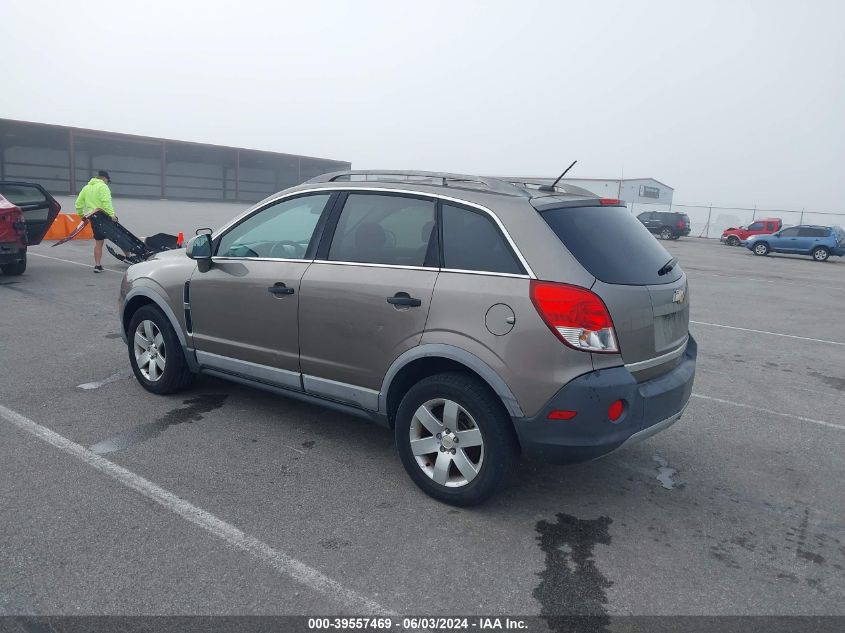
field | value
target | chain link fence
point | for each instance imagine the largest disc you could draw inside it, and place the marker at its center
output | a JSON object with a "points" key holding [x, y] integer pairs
{"points": [[710, 221]]}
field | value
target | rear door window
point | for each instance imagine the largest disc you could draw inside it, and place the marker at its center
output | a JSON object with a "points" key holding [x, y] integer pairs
{"points": [[472, 241], [384, 229], [611, 245]]}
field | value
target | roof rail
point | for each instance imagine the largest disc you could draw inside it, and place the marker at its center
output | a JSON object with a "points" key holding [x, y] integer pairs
{"points": [[442, 179]]}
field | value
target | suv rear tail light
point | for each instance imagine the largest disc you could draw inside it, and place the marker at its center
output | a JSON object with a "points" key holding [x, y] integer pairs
{"points": [[681, 224], [577, 316]]}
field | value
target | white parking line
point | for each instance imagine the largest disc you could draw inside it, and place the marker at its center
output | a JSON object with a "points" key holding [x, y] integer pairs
{"points": [[281, 562], [770, 412], [745, 329], [778, 282], [68, 261]]}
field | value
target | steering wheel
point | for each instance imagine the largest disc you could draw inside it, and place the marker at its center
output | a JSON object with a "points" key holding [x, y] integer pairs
{"points": [[299, 251]]}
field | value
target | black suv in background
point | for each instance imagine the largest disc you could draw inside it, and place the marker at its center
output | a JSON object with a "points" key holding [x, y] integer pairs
{"points": [[665, 224]]}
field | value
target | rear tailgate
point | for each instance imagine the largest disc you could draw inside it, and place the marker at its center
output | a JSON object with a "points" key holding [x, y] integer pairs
{"points": [[648, 304]]}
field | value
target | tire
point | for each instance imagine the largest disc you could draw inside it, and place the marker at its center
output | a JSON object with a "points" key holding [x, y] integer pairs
{"points": [[733, 240], [666, 233], [16, 268], [491, 455], [820, 253], [761, 248], [155, 331]]}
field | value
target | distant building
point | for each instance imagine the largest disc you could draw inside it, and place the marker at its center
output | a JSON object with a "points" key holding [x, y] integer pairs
{"points": [[63, 159], [631, 190]]}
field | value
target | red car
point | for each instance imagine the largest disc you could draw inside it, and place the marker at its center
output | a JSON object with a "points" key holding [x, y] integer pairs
{"points": [[763, 226], [26, 212]]}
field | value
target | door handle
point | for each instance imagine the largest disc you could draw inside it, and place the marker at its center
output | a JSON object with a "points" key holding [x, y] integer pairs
{"points": [[404, 299], [279, 289]]}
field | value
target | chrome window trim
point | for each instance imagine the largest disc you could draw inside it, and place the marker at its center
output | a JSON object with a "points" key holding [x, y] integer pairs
{"points": [[272, 200], [230, 258], [484, 272], [371, 265], [657, 360]]}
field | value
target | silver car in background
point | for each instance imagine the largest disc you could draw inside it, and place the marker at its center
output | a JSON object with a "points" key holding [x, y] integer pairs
{"points": [[476, 318]]}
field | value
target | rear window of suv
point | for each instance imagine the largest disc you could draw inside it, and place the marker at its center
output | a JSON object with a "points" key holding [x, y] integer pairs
{"points": [[612, 245]]}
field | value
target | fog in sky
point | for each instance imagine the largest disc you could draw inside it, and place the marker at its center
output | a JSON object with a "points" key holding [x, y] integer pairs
{"points": [[734, 103]]}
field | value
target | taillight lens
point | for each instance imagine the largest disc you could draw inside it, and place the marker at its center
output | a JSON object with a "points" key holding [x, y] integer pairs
{"points": [[681, 224], [577, 316]]}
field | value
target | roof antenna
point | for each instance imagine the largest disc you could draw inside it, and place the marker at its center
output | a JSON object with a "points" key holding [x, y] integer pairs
{"points": [[552, 186]]}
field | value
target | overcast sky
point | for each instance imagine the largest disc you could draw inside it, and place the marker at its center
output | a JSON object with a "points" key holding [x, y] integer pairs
{"points": [[734, 103]]}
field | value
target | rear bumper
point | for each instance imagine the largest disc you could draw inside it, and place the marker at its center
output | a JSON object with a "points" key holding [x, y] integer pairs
{"points": [[11, 252], [651, 406]]}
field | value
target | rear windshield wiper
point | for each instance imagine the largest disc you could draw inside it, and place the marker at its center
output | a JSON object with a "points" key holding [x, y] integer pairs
{"points": [[668, 266]]}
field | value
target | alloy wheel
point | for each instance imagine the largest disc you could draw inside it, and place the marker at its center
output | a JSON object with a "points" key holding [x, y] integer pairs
{"points": [[446, 442], [150, 351]]}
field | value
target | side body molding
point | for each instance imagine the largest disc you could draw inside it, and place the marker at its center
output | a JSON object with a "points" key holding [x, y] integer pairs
{"points": [[458, 355]]}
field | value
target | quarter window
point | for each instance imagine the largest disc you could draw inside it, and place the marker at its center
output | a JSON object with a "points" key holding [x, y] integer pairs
{"points": [[384, 229], [282, 230], [471, 241], [812, 232]]}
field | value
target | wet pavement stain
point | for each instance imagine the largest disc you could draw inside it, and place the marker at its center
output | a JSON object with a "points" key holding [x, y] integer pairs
{"points": [[112, 335], [571, 592], [192, 411], [309, 444], [801, 537], [665, 473], [831, 381]]}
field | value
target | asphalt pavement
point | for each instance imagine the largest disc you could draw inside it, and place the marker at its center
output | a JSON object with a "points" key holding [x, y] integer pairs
{"points": [[229, 500]]}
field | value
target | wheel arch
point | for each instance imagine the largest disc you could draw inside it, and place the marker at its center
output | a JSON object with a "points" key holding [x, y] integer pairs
{"points": [[426, 360], [142, 296]]}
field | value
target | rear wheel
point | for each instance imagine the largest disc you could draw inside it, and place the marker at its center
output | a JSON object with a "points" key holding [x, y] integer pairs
{"points": [[733, 240], [820, 253], [454, 438], [761, 248], [666, 233], [155, 353], [16, 268]]}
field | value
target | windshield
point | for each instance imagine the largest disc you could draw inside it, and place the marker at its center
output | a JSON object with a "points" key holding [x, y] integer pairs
{"points": [[612, 245]]}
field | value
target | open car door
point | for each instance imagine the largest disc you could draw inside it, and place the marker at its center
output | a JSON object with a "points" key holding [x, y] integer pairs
{"points": [[39, 208]]}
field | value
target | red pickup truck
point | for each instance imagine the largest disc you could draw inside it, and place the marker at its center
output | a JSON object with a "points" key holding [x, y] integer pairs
{"points": [[738, 236], [26, 212]]}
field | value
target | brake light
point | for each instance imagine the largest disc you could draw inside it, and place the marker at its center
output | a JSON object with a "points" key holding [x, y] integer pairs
{"points": [[610, 202], [577, 316], [681, 224]]}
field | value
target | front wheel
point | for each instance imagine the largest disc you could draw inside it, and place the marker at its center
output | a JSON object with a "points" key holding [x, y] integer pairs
{"points": [[733, 240], [820, 253], [761, 249], [454, 438], [666, 233], [16, 268], [155, 352]]}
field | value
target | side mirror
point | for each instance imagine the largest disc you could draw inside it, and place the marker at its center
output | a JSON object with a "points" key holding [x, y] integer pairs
{"points": [[199, 247]]}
